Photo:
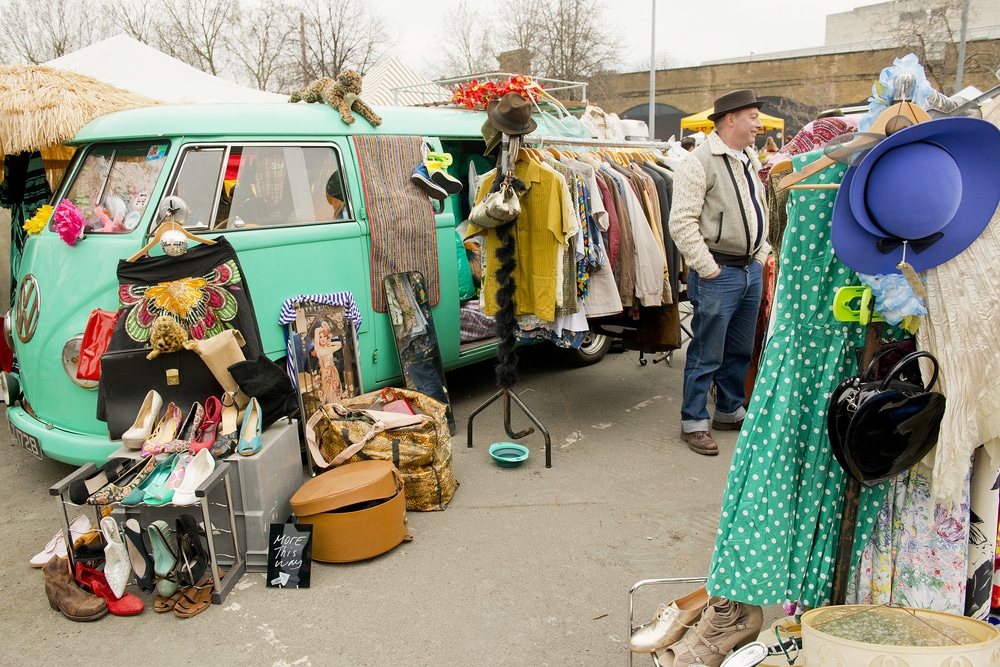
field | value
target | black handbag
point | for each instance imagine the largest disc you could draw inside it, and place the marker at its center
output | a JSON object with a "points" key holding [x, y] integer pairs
{"points": [[885, 426], [127, 376]]}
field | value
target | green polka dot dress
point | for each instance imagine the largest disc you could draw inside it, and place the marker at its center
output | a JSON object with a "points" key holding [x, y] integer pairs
{"points": [[780, 520]]}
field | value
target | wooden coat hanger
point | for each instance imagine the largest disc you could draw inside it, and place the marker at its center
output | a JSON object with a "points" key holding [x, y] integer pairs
{"points": [[784, 164], [907, 112], [165, 226]]}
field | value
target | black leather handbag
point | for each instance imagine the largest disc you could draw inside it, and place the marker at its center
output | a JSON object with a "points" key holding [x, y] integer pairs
{"points": [[127, 376], [879, 428]]}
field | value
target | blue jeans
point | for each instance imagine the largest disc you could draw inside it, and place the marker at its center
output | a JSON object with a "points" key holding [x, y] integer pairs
{"points": [[723, 327]]}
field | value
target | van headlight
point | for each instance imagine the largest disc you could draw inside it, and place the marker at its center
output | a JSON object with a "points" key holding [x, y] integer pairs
{"points": [[71, 361], [8, 329], [10, 385]]}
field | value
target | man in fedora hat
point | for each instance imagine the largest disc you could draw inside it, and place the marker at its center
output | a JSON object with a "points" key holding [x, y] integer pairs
{"points": [[718, 221]]}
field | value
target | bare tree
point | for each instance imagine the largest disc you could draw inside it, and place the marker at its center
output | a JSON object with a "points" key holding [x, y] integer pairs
{"points": [[469, 47], [337, 34], [35, 31], [194, 31], [569, 39], [932, 29], [264, 45], [137, 20]]}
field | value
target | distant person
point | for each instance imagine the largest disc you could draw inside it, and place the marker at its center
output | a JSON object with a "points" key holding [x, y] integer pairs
{"points": [[688, 144], [770, 147], [718, 221]]}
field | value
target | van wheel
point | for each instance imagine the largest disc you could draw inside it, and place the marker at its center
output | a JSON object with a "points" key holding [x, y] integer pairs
{"points": [[591, 350]]}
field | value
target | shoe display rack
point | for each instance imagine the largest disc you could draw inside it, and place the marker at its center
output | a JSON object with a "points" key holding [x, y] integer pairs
{"points": [[632, 627], [217, 483]]}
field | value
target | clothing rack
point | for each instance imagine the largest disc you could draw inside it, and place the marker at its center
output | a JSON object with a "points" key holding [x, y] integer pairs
{"points": [[539, 140]]}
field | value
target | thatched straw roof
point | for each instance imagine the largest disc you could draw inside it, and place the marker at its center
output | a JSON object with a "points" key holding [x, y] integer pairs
{"points": [[41, 106]]}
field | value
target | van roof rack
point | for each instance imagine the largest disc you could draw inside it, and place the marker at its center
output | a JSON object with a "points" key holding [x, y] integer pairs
{"points": [[572, 94]]}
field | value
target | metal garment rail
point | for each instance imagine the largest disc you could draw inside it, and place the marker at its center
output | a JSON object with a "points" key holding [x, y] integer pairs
{"points": [[538, 140]]}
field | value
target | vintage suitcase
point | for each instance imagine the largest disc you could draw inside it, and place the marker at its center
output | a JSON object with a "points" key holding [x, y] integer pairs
{"points": [[357, 511]]}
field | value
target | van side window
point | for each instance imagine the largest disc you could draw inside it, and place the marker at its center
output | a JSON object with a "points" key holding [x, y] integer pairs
{"points": [[112, 186], [197, 183], [262, 186]]}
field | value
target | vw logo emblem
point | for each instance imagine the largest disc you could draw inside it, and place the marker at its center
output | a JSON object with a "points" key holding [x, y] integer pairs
{"points": [[26, 316]]}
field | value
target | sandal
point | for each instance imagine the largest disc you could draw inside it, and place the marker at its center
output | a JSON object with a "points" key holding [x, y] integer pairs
{"points": [[196, 599], [225, 441], [162, 604]]}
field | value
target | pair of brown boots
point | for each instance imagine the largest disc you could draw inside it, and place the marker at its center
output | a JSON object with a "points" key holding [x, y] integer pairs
{"points": [[66, 596]]}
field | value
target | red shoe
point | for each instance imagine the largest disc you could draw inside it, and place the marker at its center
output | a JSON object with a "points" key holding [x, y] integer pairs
{"points": [[205, 436], [93, 581]]}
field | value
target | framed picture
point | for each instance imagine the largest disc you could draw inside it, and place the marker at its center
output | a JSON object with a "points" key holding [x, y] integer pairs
{"points": [[324, 354], [416, 339]]}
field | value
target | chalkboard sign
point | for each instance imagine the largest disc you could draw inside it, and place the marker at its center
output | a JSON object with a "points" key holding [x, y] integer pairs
{"points": [[289, 555]]}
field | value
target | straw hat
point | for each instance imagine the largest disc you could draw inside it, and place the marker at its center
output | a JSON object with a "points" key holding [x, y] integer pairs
{"points": [[43, 106]]}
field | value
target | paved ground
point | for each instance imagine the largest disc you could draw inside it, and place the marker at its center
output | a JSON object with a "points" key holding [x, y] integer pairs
{"points": [[526, 567]]}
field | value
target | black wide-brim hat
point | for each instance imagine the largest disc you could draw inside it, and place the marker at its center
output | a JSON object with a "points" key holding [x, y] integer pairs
{"points": [[734, 101]]}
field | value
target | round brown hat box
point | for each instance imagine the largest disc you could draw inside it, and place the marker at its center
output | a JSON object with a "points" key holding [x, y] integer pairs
{"points": [[357, 511]]}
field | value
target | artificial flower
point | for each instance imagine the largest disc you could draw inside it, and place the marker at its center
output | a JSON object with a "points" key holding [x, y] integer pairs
{"points": [[37, 222], [68, 222], [477, 94]]}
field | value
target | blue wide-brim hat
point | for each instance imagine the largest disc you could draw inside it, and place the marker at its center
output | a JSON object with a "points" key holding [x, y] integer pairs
{"points": [[933, 185]]}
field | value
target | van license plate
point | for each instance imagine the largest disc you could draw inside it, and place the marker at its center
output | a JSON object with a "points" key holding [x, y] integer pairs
{"points": [[28, 442]]}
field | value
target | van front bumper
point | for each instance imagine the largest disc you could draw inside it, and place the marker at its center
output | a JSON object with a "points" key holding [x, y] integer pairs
{"points": [[57, 444]]}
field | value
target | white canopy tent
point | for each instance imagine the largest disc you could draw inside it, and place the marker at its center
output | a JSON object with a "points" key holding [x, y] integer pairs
{"points": [[391, 83], [129, 64]]}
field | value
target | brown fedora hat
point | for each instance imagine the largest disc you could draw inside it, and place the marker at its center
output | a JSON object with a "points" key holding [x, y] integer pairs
{"points": [[734, 101], [511, 114]]}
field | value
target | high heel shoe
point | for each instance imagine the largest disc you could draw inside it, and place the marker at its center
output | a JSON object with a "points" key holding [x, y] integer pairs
{"points": [[164, 543], [250, 437], [117, 567], [165, 431], [225, 441], [192, 556], [209, 425], [95, 581], [202, 465], [142, 562], [152, 483], [143, 426], [81, 489], [188, 430], [124, 485]]}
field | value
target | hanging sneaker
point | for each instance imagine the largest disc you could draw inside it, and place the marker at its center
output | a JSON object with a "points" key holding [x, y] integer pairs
{"points": [[422, 179]]}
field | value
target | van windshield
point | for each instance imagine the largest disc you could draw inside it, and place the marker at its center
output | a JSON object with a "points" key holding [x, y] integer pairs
{"points": [[111, 188]]}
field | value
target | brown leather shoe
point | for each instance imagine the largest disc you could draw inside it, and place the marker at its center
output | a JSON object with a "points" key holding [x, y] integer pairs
{"points": [[701, 442], [726, 426], [67, 597]]}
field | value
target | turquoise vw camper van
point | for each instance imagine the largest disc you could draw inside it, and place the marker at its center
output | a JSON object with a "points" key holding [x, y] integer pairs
{"points": [[293, 236]]}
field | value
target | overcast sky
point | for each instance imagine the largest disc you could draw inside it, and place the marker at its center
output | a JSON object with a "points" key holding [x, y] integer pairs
{"points": [[722, 29]]}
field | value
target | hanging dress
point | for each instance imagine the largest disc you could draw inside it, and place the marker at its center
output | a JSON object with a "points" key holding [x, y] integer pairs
{"points": [[781, 508]]}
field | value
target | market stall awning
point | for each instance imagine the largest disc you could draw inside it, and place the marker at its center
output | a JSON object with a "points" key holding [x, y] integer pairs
{"points": [[42, 106], [700, 122]]}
